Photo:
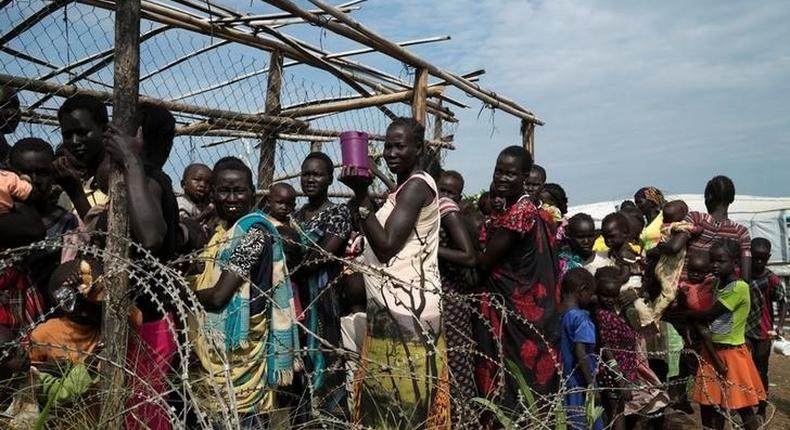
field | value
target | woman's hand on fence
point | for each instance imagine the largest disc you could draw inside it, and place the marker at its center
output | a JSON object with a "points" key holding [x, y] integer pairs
{"points": [[66, 175], [121, 147]]}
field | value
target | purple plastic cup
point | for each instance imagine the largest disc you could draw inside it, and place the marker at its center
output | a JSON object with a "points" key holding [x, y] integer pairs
{"points": [[354, 151]]}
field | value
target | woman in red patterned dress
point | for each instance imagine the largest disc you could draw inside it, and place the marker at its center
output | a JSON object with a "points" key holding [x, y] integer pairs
{"points": [[520, 289]]}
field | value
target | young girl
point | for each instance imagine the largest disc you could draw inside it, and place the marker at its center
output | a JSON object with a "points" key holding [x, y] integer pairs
{"points": [[740, 388], [623, 365], [577, 346]]}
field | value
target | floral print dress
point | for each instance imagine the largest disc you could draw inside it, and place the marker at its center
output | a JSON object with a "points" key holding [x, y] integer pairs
{"points": [[519, 308]]}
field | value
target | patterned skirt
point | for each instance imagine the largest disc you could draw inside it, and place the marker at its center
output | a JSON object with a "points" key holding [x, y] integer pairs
{"points": [[402, 380]]}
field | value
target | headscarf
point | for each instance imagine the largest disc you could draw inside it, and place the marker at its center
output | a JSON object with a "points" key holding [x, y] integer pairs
{"points": [[651, 194]]}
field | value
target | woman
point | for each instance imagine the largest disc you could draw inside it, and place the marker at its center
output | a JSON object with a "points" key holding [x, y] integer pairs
{"points": [[402, 379], [327, 226], [456, 257], [522, 268], [650, 201], [248, 337]]}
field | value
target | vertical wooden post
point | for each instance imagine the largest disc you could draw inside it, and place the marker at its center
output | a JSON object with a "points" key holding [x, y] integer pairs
{"points": [[269, 142], [420, 100], [528, 136], [117, 301]]}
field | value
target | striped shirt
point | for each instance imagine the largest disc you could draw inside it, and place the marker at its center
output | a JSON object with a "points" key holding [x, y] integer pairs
{"points": [[713, 230], [447, 206]]}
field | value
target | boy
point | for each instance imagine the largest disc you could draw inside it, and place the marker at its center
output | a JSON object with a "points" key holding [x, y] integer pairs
{"points": [[83, 120], [194, 203], [767, 289]]}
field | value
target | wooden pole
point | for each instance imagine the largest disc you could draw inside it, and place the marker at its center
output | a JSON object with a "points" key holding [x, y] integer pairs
{"points": [[71, 90], [269, 140], [528, 136], [117, 302], [418, 104], [360, 103]]}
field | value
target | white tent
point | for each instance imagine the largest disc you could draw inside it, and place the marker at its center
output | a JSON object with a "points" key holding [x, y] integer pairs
{"points": [[767, 217]]}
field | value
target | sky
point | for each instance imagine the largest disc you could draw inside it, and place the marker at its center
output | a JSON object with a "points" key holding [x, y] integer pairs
{"points": [[664, 93]]}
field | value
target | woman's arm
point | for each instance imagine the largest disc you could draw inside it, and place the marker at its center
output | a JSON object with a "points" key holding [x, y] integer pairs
{"points": [[676, 243], [497, 247], [464, 252], [711, 314], [215, 299], [20, 227], [387, 240]]}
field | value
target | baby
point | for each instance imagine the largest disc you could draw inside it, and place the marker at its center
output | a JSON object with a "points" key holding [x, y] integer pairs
{"points": [[196, 202], [280, 204], [13, 187], [670, 264]]}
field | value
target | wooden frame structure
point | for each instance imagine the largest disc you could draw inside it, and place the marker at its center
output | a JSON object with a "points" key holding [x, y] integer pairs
{"points": [[375, 89]]}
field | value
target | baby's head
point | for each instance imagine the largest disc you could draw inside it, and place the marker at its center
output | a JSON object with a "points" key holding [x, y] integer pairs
{"points": [[675, 211], [196, 182], [608, 281], [281, 201]]}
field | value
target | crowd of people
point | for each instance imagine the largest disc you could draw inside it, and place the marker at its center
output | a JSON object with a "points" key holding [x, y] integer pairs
{"points": [[391, 310]]}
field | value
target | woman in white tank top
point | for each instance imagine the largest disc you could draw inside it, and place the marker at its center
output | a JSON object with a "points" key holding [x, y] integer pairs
{"points": [[401, 381]]}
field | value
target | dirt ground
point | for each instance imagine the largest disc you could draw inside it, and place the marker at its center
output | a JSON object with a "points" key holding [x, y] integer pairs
{"points": [[778, 395]]}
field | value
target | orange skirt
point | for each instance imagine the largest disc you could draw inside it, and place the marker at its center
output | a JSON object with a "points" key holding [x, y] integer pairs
{"points": [[740, 388]]}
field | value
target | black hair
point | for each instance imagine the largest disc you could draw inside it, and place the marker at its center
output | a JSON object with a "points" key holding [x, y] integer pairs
{"points": [[520, 153], [720, 189], [455, 175], [761, 242], [233, 163], [628, 204], [608, 274], [415, 129], [282, 185], [159, 130], [617, 217], [558, 193], [92, 104], [575, 279], [317, 155], [541, 171], [191, 167], [30, 144], [581, 217], [732, 247]]}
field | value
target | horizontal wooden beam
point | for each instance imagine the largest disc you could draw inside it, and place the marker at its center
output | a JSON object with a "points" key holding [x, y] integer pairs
{"points": [[359, 103], [251, 120]]}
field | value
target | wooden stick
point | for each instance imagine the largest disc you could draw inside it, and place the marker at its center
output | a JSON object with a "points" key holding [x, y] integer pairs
{"points": [[71, 90], [117, 302], [528, 137], [360, 103], [269, 141], [357, 32], [420, 96]]}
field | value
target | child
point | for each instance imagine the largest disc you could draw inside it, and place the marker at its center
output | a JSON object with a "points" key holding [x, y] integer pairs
{"points": [[577, 345], [622, 364], [195, 202], [533, 185], [740, 388], [670, 264], [616, 233], [280, 204], [766, 289]]}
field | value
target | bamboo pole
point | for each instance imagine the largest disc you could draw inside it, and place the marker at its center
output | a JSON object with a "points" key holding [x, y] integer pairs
{"points": [[346, 105], [117, 302], [420, 96], [357, 32], [218, 114], [528, 137], [269, 140]]}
